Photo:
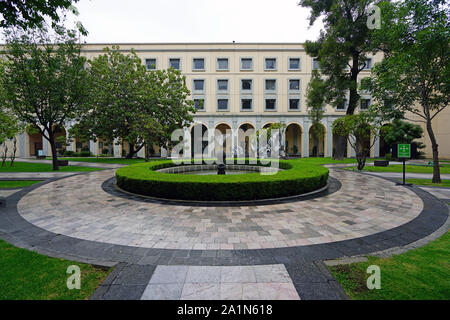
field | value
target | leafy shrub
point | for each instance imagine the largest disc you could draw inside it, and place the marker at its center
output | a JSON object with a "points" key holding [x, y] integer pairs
{"points": [[295, 178], [84, 154], [69, 153]]}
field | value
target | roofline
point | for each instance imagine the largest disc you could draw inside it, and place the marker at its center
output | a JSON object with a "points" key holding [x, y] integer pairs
{"points": [[194, 43]]}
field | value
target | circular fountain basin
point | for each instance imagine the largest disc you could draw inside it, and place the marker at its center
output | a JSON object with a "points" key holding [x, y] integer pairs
{"points": [[207, 169]]}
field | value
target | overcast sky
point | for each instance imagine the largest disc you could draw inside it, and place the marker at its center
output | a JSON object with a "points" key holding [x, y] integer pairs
{"points": [[195, 21]]}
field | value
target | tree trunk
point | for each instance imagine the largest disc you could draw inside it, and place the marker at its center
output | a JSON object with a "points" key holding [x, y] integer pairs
{"points": [[340, 147], [434, 146], [131, 151], [54, 152]]}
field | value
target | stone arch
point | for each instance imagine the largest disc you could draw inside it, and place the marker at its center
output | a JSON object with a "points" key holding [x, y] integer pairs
{"points": [[317, 141], [293, 142], [245, 133]]}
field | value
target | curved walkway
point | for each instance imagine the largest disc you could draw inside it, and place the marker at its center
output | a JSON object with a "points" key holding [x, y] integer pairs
{"points": [[78, 207], [267, 250]]}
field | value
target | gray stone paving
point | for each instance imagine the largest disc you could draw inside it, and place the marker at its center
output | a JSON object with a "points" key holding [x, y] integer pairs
{"points": [[78, 207]]}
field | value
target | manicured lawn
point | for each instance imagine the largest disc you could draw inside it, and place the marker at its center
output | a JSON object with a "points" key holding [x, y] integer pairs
{"points": [[40, 167], [106, 160], [427, 182], [26, 275], [330, 160], [399, 168], [422, 273], [11, 184]]}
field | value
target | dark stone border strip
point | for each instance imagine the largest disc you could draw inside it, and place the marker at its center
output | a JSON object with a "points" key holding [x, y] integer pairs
{"points": [[333, 185], [16, 230]]}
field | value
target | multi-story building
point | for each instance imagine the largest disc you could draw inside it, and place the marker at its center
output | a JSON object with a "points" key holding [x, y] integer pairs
{"points": [[239, 86]]}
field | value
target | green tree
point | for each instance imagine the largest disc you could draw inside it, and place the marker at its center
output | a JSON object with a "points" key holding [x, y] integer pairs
{"points": [[123, 93], [31, 13], [402, 132], [362, 130], [341, 50], [44, 80], [413, 78], [315, 94]]}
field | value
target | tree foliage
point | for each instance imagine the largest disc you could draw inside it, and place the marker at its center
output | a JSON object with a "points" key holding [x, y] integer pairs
{"points": [[126, 101], [44, 79], [343, 46], [402, 132], [414, 76], [315, 101], [362, 130], [31, 13]]}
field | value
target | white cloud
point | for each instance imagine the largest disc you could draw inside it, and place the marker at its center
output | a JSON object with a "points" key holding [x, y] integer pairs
{"points": [[113, 21]]}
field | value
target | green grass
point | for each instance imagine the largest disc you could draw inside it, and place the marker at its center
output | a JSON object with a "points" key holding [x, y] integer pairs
{"points": [[107, 160], [399, 168], [422, 273], [41, 167], [427, 182], [11, 184], [26, 275]]}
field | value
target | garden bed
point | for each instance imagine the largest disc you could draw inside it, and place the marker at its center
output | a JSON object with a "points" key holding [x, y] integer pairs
{"points": [[296, 178]]}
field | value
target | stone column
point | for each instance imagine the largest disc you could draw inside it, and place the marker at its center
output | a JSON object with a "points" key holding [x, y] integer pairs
{"points": [[329, 151], [306, 139], [117, 148], [22, 145], [375, 152]]}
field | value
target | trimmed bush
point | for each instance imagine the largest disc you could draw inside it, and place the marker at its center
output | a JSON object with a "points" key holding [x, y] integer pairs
{"points": [[295, 178]]}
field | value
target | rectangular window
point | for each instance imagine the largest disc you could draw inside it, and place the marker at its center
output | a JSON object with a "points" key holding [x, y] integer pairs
{"points": [[294, 104], [246, 104], [364, 84], [246, 85], [315, 64], [246, 63], [222, 85], [368, 64], [199, 85], [222, 63], [294, 85], [271, 85], [199, 104], [151, 64], [294, 63], [271, 104], [342, 105], [364, 104], [175, 63], [270, 64], [199, 64], [222, 104]]}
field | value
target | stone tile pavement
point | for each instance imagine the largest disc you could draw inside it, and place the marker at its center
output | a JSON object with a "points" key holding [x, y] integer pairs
{"points": [[78, 207]]}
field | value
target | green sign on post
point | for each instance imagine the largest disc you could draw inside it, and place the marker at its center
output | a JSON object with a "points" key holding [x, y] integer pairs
{"points": [[404, 151]]}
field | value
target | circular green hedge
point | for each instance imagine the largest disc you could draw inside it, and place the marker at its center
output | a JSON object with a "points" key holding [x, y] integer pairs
{"points": [[296, 178]]}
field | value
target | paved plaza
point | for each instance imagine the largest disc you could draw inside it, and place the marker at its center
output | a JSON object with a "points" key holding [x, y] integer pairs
{"points": [[181, 251], [78, 207]]}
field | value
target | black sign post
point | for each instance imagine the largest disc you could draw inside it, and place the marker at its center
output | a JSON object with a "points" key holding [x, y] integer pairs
{"points": [[404, 152]]}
